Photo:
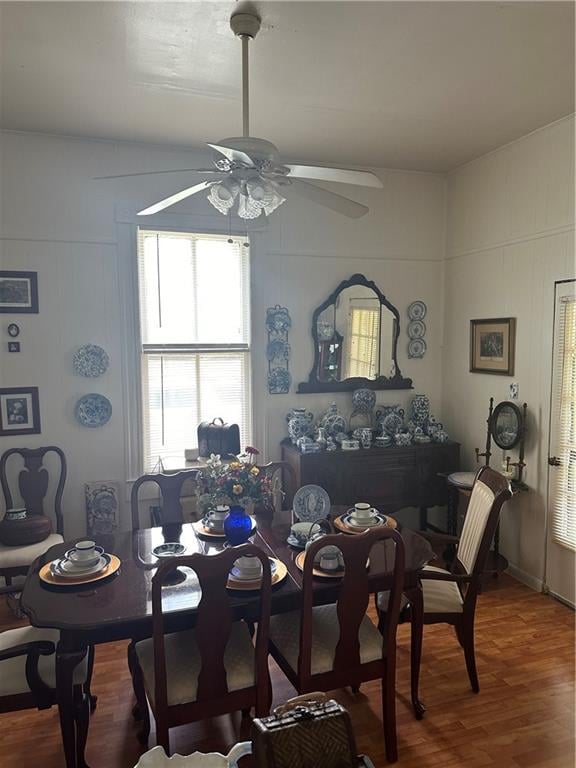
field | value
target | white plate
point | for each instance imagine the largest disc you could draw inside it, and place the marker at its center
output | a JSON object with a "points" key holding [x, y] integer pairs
{"points": [[67, 568], [311, 503], [237, 574]]}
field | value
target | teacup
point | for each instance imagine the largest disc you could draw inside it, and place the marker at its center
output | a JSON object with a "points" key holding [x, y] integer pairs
{"points": [[85, 553], [329, 558], [301, 531], [363, 512], [249, 567], [215, 517]]}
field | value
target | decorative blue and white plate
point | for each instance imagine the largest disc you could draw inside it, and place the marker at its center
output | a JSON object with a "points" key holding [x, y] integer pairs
{"points": [[93, 410], [311, 503], [91, 361], [278, 349], [417, 310], [416, 329], [416, 348], [279, 381]]}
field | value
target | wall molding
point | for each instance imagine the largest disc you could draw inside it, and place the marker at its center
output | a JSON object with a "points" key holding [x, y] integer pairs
{"points": [[515, 241], [525, 578]]}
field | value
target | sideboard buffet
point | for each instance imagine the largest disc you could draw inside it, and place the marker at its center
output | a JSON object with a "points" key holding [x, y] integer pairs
{"points": [[390, 477]]}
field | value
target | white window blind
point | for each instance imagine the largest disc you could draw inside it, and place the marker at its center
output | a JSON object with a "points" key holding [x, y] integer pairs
{"points": [[195, 329], [364, 333], [564, 399]]}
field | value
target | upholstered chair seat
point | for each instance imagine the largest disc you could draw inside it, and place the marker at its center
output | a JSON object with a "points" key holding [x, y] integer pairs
{"points": [[183, 663], [285, 634], [23, 557], [439, 596], [13, 671]]}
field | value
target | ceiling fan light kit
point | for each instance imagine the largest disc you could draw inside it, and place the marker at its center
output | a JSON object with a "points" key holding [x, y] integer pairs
{"points": [[249, 174]]}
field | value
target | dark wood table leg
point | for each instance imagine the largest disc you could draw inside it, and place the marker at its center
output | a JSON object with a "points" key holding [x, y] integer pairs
{"points": [[414, 595], [73, 742]]}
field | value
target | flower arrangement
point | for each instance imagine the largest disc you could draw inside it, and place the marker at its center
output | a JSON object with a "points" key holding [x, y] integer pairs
{"points": [[235, 482]]}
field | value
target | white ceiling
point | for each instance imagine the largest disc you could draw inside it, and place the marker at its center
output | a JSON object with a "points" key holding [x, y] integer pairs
{"points": [[410, 85]]}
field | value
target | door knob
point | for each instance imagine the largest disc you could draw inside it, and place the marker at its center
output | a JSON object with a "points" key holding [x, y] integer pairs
{"points": [[554, 461]]}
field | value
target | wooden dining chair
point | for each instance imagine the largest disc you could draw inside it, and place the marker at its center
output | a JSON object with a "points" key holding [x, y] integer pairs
{"points": [[171, 492], [214, 667], [28, 676], [449, 597], [32, 482], [324, 647], [283, 483]]}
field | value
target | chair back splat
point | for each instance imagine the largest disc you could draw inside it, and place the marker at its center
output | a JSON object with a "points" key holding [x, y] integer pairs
{"points": [[171, 490], [33, 480], [489, 492], [213, 623], [353, 596]]}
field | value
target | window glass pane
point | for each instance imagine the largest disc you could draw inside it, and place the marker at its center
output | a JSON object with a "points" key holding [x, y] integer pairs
{"points": [[182, 390], [194, 289]]}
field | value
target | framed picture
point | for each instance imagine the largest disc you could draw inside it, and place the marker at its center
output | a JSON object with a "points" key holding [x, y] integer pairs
{"points": [[19, 411], [18, 292], [492, 345]]}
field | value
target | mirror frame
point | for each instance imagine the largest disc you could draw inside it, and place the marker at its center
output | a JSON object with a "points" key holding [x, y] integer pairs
{"points": [[381, 382], [494, 418]]}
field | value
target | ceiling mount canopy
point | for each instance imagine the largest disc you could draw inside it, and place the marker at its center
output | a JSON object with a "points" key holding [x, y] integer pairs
{"points": [[249, 175]]}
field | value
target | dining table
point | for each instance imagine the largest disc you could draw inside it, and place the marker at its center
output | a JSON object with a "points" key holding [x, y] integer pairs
{"points": [[120, 607]]}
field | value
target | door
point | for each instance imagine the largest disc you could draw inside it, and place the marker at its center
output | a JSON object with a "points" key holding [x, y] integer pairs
{"points": [[561, 525]]}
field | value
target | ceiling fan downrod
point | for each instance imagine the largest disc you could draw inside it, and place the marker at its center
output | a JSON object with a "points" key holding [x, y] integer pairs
{"points": [[246, 27]]}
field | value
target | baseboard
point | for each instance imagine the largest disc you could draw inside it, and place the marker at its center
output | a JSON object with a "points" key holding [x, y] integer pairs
{"points": [[525, 578]]}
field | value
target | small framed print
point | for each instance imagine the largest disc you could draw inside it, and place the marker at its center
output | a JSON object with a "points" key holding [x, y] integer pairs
{"points": [[19, 411], [492, 344], [13, 346], [18, 292]]}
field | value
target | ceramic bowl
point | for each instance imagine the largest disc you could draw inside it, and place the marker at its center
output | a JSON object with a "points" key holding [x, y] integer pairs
{"points": [[169, 549]]}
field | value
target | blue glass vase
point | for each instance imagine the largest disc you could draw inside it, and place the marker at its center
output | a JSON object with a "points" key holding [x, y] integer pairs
{"points": [[237, 526]]}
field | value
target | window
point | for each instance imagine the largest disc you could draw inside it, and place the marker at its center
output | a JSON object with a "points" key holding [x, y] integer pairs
{"points": [[363, 332], [563, 443], [194, 322]]}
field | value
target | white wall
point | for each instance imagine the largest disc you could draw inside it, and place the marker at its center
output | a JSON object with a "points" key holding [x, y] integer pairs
{"points": [[510, 235], [56, 220]]}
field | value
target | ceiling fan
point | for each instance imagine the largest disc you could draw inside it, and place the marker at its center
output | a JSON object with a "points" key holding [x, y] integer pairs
{"points": [[248, 171]]}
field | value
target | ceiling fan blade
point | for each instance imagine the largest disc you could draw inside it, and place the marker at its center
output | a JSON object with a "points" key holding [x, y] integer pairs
{"points": [[154, 173], [234, 155], [342, 175], [173, 199], [331, 200]]}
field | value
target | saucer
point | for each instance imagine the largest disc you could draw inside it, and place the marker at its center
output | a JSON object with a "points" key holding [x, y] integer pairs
{"points": [[368, 522], [237, 574], [278, 573], [67, 568], [296, 543]]}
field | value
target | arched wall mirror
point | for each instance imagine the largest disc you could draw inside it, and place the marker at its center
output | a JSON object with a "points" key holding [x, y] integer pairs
{"points": [[506, 425], [355, 335]]}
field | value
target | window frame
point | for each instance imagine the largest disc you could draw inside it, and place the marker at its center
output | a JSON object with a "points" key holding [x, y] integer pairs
{"points": [[196, 348]]}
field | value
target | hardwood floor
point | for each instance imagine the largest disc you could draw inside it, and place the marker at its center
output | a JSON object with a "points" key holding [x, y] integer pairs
{"points": [[523, 716]]}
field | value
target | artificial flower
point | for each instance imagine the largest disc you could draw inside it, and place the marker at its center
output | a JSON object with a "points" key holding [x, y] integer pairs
{"points": [[255, 471], [237, 489]]}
